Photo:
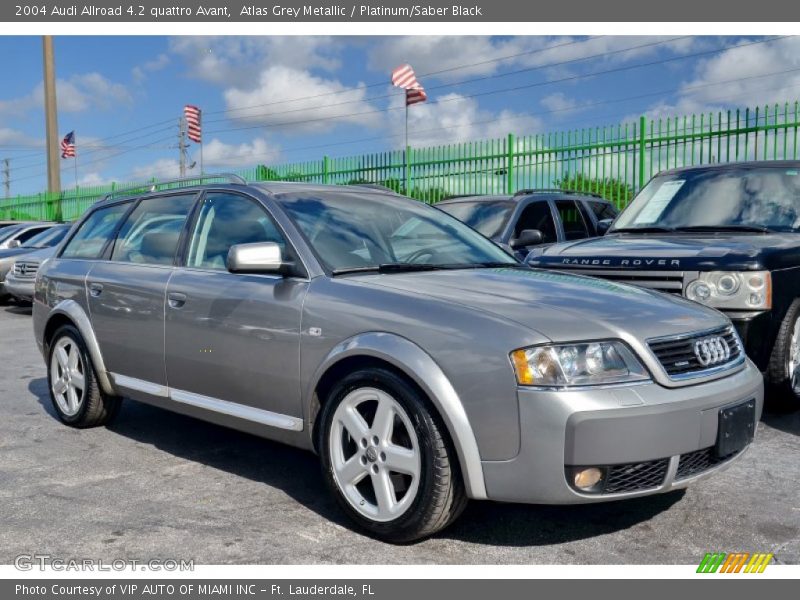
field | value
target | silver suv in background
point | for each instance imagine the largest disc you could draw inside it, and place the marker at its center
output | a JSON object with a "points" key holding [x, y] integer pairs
{"points": [[423, 363]]}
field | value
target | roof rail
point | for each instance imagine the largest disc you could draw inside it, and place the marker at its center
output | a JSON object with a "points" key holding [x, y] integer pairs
{"points": [[556, 190], [375, 186], [156, 185]]}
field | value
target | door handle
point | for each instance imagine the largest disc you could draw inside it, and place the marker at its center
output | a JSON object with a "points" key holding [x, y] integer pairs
{"points": [[95, 289], [176, 299]]}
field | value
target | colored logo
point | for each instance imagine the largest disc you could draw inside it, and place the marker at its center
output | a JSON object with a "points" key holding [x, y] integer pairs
{"points": [[736, 562]]}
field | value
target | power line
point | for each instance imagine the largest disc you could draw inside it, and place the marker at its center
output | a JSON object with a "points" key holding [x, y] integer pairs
{"points": [[456, 83], [504, 90]]}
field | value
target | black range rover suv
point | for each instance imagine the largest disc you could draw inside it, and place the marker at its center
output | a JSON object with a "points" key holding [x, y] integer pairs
{"points": [[727, 236]]}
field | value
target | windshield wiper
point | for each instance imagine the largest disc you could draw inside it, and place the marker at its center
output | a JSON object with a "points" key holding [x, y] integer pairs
{"points": [[417, 267], [389, 268], [751, 228], [648, 229]]}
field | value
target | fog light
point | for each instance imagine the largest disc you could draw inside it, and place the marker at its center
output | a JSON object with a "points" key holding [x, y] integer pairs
{"points": [[586, 479]]}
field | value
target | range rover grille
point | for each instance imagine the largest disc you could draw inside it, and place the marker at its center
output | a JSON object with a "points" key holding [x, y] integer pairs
{"points": [[680, 357], [663, 281]]}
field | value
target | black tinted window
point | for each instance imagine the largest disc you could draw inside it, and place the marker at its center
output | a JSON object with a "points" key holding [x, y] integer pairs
{"points": [[26, 235], [92, 235], [602, 210], [572, 220], [150, 234], [226, 220], [537, 215]]}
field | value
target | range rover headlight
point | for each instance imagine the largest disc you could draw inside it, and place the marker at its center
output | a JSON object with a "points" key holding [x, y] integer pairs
{"points": [[565, 365], [732, 290]]}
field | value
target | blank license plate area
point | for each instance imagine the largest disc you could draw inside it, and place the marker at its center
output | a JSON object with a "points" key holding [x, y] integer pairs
{"points": [[736, 428]]}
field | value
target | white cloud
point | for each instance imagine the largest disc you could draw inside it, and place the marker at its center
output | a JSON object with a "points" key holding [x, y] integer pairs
{"points": [[140, 72], [92, 179], [12, 137], [232, 60], [78, 93], [711, 88], [160, 169], [559, 102], [219, 154], [277, 101], [454, 118]]}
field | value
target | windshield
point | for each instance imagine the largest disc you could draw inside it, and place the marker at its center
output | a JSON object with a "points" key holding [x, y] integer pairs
{"points": [[47, 238], [487, 216], [363, 231], [759, 198]]}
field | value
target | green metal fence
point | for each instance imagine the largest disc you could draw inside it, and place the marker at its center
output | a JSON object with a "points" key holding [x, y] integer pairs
{"points": [[614, 161]]}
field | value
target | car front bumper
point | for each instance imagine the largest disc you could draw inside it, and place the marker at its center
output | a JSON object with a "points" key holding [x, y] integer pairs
{"points": [[664, 437], [19, 288]]}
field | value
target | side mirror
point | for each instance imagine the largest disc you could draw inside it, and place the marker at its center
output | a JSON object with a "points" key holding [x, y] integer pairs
{"points": [[527, 237], [603, 225], [14, 244], [261, 257]]}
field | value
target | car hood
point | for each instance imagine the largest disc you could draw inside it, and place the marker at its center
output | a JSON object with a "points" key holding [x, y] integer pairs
{"points": [[681, 251], [12, 252], [559, 306]]}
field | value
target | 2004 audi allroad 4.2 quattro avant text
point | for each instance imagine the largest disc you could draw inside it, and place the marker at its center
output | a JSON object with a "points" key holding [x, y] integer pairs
{"points": [[422, 362]]}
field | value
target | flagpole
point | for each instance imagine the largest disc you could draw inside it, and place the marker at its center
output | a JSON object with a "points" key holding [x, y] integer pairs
{"points": [[201, 157], [405, 150], [75, 163]]}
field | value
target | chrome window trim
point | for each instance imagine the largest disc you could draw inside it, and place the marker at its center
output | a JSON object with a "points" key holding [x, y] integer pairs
{"points": [[232, 409]]}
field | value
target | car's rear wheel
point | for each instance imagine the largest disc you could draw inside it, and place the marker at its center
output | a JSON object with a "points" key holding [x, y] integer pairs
{"points": [[387, 459], [74, 391], [783, 372]]}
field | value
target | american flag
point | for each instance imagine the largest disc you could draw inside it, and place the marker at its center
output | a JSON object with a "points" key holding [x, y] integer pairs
{"points": [[68, 145], [192, 115], [405, 78]]}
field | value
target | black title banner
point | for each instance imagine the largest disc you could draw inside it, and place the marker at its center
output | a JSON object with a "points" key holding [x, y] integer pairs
{"points": [[148, 11]]}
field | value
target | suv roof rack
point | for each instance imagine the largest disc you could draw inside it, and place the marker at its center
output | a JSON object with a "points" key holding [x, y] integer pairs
{"points": [[529, 192], [189, 181]]}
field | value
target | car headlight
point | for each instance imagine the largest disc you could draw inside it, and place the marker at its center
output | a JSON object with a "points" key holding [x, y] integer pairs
{"points": [[590, 363], [733, 290]]}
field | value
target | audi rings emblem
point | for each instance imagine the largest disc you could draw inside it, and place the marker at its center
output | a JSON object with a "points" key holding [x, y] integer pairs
{"points": [[712, 351]]}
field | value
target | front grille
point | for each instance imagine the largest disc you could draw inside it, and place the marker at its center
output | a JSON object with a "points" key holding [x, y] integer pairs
{"points": [[25, 269], [694, 463], [663, 281], [678, 357], [636, 477]]}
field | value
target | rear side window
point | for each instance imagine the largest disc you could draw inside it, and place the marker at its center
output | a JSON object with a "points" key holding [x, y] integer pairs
{"points": [[602, 210], [151, 232], [226, 220], [92, 236], [26, 235], [572, 220]]}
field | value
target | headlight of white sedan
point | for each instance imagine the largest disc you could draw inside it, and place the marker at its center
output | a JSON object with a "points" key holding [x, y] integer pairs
{"points": [[732, 290], [566, 365]]}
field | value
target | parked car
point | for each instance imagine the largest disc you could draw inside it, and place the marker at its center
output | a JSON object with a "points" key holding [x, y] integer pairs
{"points": [[15, 235], [532, 217], [727, 236], [422, 362], [33, 238], [19, 280]]}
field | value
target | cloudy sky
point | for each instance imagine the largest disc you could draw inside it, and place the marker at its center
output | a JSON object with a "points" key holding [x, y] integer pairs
{"points": [[271, 100]]}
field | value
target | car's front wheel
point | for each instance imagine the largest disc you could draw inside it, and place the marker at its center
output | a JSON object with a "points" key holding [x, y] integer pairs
{"points": [[74, 391], [783, 372], [387, 459]]}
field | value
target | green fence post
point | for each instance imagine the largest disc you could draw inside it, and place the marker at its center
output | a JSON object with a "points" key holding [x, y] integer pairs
{"points": [[325, 169], [642, 150], [510, 147], [408, 171]]}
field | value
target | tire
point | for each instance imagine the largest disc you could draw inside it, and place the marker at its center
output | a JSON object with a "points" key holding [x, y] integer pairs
{"points": [[783, 372], [68, 368], [427, 490]]}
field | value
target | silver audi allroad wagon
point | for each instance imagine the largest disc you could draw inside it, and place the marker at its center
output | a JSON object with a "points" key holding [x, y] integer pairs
{"points": [[421, 362]]}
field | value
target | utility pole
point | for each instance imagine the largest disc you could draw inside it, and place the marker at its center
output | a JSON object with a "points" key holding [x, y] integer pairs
{"points": [[7, 176], [51, 117], [182, 145]]}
